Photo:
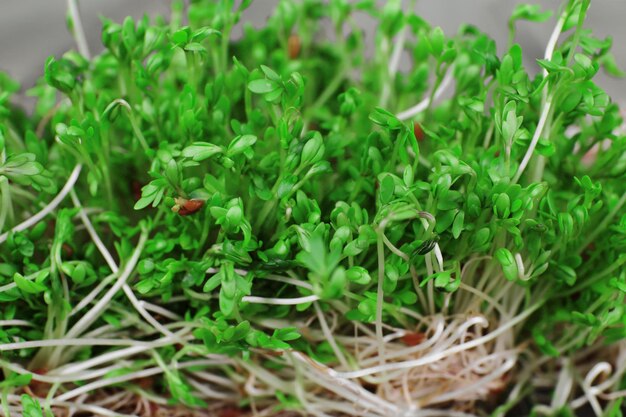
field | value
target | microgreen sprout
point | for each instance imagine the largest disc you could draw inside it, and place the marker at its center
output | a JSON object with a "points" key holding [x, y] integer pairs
{"points": [[277, 223]]}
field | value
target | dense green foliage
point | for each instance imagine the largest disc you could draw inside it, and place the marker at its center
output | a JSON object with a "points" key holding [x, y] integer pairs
{"points": [[443, 235]]}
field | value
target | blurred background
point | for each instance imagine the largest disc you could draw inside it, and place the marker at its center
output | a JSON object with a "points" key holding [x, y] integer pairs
{"points": [[32, 30]]}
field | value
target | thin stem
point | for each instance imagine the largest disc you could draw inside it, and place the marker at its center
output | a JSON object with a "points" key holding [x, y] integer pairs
{"points": [[6, 206], [280, 301], [111, 262], [77, 29], [109, 381], [329, 336], [80, 407], [436, 356], [380, 247], [6, 323], [547, 101], [117, 355], [533, 143], [424, 104], [605, 223], [49, 208], [394, 62], [68, 342], [103, 303], [93, 294], [330, 89]]}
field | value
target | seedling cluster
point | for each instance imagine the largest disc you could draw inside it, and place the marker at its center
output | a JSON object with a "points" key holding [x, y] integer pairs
{"points": [[280, 223]]}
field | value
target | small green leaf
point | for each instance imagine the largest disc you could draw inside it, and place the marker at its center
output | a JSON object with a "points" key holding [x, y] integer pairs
{"points": [[199, 151], [30, 407], [286, 185], [457, 226], [531, 12], [287, 334], [181, 36], [507, 262], [195, 47], [436, 41], [270, 73], [240, 144], [262, 86], [28, 286], [358, 275], [387, 187]]}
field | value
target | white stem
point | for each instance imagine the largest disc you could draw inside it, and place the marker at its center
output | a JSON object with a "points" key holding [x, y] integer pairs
{"points": [[614, 395], [69, 342], [79, 376], [113, 265], [554, 38], [423, 105], [48, 208], [160, 310], [80, 407], [434, 357], [103, 303], [6, 323], [475, 386], [380, 294], [547, 106], [345, 388], [210, 393], [280, 301], [329, 336], [109, 381], [92, 295], [216, 379], [287, 280], [406, 352], [438, 256], [533, 143], [144, 373], [396, 55], [79, 32], [564, 385], [115, 355], [599, 369], [142, 311], [108, 258], [484, 297], [394, 62]]}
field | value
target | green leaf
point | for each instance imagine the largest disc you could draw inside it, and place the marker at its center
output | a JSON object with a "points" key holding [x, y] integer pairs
{"points": [[28, 286], [181, 36], [436, 41], [358, 275], [270, 73], [195, 47], [610, 66], [531, 12], [387, 188], [199, 151], [240, 144], [287, 334], [457, 225], [313, 150], [143, 203], [507, 262], [286, 185], [262, 86], [15, 380], [30, 407]]}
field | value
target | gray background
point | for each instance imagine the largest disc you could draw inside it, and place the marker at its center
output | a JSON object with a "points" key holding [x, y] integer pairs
{"points": [[31, 30]]}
